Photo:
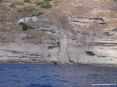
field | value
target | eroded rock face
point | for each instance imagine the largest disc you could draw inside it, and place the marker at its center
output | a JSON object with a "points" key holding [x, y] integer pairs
{"points": [[82, 31]]}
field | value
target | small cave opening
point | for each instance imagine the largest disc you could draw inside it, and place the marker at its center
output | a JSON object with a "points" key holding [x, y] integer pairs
{"points": [[58, 44], [55, 63], [90, 53]]}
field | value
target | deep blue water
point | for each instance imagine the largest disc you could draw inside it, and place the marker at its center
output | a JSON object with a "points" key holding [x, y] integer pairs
{"points": [[31, 75]]}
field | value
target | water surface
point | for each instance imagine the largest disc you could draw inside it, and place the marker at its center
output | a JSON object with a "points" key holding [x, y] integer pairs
{"points": [[31, 75]]}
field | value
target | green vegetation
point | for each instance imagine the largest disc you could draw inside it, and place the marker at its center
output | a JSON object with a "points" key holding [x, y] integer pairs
{"points": [[24, 26], [38, 14], [44, 4], [41, 3]]}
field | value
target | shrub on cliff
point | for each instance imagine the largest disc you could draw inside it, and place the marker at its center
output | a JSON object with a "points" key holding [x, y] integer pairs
{"points": [[24, 26], [45, 4], [38, 14]]}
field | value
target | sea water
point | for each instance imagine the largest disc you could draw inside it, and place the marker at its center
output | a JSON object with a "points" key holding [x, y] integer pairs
{"points": [[34, 75]]}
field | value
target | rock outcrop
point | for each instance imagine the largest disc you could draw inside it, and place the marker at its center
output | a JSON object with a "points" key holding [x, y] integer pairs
{"points": [[74, 31]]}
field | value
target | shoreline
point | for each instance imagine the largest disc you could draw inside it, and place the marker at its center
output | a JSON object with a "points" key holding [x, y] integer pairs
{"points": [[57, 63]]}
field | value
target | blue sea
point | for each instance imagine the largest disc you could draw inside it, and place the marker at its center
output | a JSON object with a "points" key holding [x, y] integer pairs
{"points": [[34, 75]]}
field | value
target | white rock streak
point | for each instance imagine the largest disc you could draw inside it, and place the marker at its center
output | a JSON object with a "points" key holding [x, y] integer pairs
{"points": [[28, 19]]}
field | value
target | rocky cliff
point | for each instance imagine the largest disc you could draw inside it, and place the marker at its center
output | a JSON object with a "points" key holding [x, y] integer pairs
{"points": [[72, 31]]}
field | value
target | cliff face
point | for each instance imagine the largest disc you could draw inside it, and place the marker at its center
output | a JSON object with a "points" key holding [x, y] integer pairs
{"points": [[73, 31]]}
